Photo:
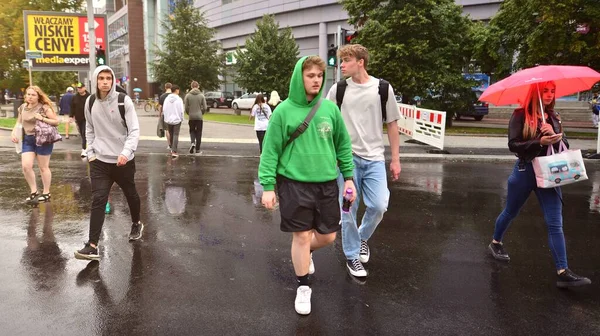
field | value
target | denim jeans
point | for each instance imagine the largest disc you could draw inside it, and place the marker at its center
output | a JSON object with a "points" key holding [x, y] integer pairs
{"points": [[370, 178], [520, 185]]}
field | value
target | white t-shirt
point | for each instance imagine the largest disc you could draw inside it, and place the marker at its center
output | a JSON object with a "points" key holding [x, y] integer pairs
{"points": [[261, 117], [361, 110]]}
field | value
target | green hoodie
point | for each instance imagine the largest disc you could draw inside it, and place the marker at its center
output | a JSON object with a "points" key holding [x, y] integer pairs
{"points": [[315, 155]]}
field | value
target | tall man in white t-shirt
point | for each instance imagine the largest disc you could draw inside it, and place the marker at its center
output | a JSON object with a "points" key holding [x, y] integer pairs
{"points": [[363, 102]]}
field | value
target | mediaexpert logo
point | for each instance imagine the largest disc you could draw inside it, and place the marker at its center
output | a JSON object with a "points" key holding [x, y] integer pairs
{"points": [[63, 60]]}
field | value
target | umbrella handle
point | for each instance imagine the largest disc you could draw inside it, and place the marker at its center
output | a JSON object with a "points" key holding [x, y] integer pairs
{"points": [[541, 104]]}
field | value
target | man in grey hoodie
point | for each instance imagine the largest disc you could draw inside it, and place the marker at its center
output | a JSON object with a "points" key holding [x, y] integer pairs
{"points": [[195, 106], [112, 138]]}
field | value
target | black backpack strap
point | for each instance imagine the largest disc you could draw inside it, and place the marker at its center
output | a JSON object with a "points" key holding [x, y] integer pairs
{"points": [[384, 89], [122, 108], [91, 102], [304, 125], [339, 92]]}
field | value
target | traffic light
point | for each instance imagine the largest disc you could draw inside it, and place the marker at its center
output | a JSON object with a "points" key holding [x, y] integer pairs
{"points": [[349, 36], [332, 56], [100, 56]]}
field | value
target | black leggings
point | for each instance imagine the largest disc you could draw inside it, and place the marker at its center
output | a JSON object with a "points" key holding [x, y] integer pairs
{"points": [[260, 135]]}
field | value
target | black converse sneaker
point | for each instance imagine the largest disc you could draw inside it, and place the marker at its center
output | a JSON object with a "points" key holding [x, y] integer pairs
{"points": [[88, 252], [136, 231], [356, 268], [569, 279], [192, 148], [498, 252], [365, 252]]}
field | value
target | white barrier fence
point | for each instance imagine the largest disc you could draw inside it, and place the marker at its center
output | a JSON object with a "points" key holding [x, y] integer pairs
{"points": [[424, 125]]}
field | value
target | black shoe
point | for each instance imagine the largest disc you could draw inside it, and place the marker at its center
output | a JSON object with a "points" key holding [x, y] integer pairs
{"points": [[88, 252], [569, 279], [498, 252], [136, 231], [192, 148], [356, 268], [365, 252]]}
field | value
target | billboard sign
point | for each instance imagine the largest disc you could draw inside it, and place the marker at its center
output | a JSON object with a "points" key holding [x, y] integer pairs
{"points": [[482, 80], [62, 38]]}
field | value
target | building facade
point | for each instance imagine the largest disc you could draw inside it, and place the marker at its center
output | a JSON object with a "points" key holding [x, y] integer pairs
{"points": [[313, 22]]}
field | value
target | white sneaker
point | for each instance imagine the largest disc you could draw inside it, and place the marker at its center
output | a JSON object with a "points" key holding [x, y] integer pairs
{"points": [[365, 252], [302, 303], [311, 266], [83, 153]]}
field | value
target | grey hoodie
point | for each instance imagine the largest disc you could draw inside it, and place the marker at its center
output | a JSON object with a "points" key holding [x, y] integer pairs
{"points": [[107, 136], [195, 104]]}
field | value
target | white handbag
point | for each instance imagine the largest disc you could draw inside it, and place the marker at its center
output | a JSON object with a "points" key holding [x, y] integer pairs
{"points": [[558, 169]]}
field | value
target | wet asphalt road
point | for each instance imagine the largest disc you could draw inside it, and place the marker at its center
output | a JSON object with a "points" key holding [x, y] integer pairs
{"points": [[213, 262]]}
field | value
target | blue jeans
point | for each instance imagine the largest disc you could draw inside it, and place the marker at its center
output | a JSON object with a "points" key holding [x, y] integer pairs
{"points": [[520, 185], [370, 178]]}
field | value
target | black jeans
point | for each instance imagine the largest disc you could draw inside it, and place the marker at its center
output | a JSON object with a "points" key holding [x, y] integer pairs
{"points": [[81, 127], [196, 132], [260, 135], [174, 132], [103, 175]]}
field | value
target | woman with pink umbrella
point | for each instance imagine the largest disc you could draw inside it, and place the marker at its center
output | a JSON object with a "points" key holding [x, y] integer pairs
{"points": [[533, 128]]}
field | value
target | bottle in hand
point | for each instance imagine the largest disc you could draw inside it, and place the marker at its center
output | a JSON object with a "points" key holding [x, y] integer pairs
{"points": [[346, 204]]}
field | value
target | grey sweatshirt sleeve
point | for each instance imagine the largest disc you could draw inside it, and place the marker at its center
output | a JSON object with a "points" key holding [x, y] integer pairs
{"points": [[133, 129], [204, 105], [90, 135]]}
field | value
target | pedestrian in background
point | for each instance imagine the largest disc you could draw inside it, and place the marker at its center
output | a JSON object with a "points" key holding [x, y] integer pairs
{"points": [[173, 116], [261, 113], [161, 102], [78, 114], [37, 107], [195, 107], [64, 108], [529, 137], [274, 100]]}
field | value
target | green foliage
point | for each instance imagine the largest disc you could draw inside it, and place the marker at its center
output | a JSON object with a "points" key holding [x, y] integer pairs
{"points": [[420, 46], [269, 60], [54, 82], [540, 32], [12, 51], [188, 52]]}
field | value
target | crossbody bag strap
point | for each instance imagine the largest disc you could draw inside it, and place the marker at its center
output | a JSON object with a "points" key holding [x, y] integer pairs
{"points": [[304, 125]]}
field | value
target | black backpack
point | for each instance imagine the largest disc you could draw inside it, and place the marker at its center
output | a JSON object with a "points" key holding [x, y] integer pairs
{"points": [[384, 87], [121, 106]]}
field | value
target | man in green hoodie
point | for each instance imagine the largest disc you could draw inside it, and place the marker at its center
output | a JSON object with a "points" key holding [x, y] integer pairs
{"points": [[304, 165]]}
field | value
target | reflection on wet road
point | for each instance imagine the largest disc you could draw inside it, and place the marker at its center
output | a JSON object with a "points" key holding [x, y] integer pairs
{"points": [[212, 261]]}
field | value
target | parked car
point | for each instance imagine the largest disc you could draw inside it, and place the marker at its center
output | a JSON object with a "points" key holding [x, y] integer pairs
{"points": [[478, 110], [245, 102], [216, 99]]}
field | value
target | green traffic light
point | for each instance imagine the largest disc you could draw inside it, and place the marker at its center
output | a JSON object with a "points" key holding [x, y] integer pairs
{"points": [[331, 61]]}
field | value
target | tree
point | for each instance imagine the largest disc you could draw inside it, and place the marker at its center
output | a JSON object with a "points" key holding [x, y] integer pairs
{"points": [[420, 46], [268, 62], [54, 82], [12, 51], [188, 52], [529, 32]]}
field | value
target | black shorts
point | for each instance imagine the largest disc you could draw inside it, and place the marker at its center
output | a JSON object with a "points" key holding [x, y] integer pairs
{"points": [[307, 206]]}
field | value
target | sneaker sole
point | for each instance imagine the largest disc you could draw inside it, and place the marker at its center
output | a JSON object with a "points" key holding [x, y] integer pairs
{"points": [[86, 256], [356, 274], [496, 256], [302, 312], [364, 258], [583, 282], [139, 236]]}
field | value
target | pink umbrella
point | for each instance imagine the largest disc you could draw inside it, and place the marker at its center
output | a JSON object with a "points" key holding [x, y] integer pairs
{"points": [[568, 79]]}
